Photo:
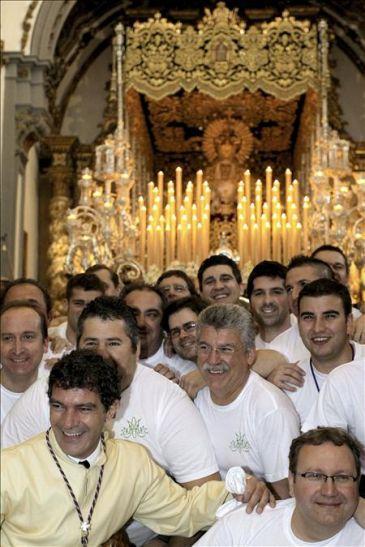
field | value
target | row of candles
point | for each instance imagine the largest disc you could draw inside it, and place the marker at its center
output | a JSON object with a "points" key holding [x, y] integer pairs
{"points": [[270, 229], [174, 225]]}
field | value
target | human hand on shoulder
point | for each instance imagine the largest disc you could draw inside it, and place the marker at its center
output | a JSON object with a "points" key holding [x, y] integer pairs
{"points": [[256, 495], [165, 371], [287, 376], [358, 333], [192, 382]]}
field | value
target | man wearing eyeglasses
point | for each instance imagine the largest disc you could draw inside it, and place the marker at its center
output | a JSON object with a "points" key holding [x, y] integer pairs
{"points": [[251, 423], [324, 477]]}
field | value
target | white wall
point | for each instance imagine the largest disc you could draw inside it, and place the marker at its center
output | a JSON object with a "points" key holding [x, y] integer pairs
{"points": [[12, 15]]}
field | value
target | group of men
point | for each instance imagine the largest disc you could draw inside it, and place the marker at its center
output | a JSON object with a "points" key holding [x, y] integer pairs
{"points": [[204, 380]]}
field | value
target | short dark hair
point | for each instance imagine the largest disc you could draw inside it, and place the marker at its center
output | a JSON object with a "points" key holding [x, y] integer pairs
{"points": [[335, 249], [216, 260], [323, 269], [141, 286], [86, 281], [178, 273], [97, 267], [321, 435], [324, 287], [193, 303], [84, 369], [28, 281], [266, 268], [15, 304], [110, 308]]}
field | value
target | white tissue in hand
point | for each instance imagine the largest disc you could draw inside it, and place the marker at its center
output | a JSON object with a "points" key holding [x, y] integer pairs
{"points": [[236, 480], [235, 484]]}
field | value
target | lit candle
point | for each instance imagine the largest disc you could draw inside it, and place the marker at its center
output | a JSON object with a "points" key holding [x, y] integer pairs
{"points": [[247, 179], [268, 181], [296, 193], [150, 247], [178, 188], [142, 232], [199, 182], [160, 188], [305, 225], [284, 238], [150, 187], [287, 181]]}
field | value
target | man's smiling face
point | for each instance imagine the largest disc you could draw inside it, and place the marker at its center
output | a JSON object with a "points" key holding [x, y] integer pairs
{"points": [[77, 419], [219, 285]]}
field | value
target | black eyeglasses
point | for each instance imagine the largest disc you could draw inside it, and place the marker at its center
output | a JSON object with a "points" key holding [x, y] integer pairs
{"points": [[190, 326], [312, 476]]}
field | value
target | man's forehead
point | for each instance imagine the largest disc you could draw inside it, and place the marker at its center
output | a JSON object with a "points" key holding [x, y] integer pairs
{"points": [[218, 269], [331, 256], [21, 318], [144, 300], [218, 334], [320, 303], [181, 316], [264, 281], [75, 395], [25, 291], [97, 327], [83, 294], [325, 456], [302, 272]]}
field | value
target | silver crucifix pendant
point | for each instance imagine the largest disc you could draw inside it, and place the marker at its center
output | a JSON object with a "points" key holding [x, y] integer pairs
{"points": [[85, 526]]}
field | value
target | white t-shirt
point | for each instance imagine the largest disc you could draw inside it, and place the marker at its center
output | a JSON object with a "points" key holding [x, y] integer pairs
{"points": [[305, 397], [8, 399], [158, 414], [288, 343], [176, 363], [341, 401], [272, 527], [254, 431]]}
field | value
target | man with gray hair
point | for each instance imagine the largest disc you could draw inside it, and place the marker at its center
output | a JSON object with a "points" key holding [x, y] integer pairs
{"points": [[251, 422]]}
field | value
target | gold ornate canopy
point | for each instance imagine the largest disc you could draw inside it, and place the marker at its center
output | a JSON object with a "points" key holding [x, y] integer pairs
{"points": [[222, 57]]}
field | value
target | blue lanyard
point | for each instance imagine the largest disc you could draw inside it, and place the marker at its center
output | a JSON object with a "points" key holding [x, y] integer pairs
{"points": [[312, 369]]}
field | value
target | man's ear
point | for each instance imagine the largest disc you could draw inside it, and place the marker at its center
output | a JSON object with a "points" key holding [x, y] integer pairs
{"points": [[112, 412], [138, 350], [350, 325], [251, 356], [242, 289], [291, 484]]}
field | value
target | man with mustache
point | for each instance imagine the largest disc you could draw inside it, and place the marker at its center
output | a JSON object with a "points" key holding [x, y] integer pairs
{"points": [[324, 481], [243, 412]]}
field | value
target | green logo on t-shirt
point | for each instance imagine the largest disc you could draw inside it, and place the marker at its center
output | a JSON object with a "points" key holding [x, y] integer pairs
{"points": [[134, 429], [240, 444]]}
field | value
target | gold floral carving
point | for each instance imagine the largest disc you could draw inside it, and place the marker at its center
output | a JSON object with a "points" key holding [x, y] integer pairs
{"points": [[60, 176], [221, 57]]}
